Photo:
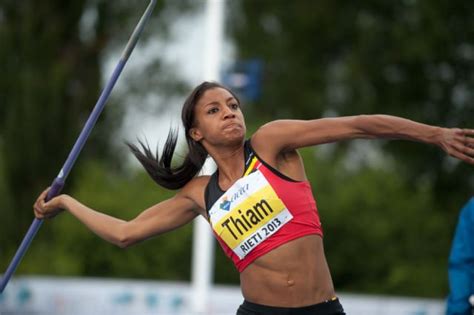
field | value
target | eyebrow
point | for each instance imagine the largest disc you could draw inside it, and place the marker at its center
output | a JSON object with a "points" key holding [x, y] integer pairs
{"points": [[215, 102]]}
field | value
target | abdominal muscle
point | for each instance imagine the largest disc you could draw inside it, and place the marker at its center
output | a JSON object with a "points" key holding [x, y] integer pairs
{"points": [[294, 274]]}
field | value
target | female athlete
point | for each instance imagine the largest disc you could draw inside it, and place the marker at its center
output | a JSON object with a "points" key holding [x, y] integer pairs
{"points": [[258, 203]]}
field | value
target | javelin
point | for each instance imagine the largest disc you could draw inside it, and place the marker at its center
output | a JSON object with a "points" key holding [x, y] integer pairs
{"points": [[60, 180]]}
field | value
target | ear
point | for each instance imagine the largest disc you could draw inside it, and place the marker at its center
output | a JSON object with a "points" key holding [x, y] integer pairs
{"points": [[195, 134]]}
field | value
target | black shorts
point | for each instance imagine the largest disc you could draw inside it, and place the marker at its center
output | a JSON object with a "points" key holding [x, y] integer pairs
{"points": [[332, 307]]}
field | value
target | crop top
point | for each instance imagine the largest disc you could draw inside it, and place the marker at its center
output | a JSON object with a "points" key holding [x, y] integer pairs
{"points": [[261, 211]]}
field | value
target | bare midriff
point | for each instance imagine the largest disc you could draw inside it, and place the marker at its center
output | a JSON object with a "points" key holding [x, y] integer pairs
{"points": [[294, 274]]}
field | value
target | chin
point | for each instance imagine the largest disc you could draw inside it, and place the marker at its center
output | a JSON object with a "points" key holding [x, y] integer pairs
{"points": [[236, 137]]}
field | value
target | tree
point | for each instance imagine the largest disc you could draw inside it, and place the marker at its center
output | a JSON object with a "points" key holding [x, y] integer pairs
{"points": [[411, 58], [51, 78], [51, 63]]}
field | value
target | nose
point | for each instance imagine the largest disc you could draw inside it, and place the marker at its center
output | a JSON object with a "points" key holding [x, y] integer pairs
{"points": [[228, 113]]}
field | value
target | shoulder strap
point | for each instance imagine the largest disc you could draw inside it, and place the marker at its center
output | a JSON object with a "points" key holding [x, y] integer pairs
{"points": [[250, 158], [212, 192]]}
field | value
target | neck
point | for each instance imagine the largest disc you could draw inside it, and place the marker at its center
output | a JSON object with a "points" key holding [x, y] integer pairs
{"points": [[230, 162]]}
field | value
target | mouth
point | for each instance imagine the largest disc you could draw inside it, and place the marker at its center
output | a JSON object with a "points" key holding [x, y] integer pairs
{"points": [[232, 125]]}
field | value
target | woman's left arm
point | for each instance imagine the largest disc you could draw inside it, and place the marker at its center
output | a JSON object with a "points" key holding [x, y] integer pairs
{"points": [[285, 135]]}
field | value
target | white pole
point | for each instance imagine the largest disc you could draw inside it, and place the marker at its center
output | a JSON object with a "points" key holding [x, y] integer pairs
{"points": [[203, 243], [213, 40]]}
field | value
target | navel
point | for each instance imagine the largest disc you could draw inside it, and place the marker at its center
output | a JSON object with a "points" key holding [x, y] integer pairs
{"points": [[290, 282]]}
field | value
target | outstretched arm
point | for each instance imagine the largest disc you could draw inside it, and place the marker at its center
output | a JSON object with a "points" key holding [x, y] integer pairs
{"points": [[287, 135], [160, 218]]}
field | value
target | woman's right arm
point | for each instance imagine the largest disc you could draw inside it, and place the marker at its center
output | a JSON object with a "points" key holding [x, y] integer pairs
{"points": [[160, 218]]}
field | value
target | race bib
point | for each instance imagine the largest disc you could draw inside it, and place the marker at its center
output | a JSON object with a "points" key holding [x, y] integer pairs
{"points": [[248, 213]]}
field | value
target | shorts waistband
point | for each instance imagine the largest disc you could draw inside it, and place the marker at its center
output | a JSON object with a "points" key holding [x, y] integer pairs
{"points": [[332, 306]]}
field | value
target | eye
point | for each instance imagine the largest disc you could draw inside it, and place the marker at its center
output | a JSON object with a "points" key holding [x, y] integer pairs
{"points": [[234, 106], [213, 110]]}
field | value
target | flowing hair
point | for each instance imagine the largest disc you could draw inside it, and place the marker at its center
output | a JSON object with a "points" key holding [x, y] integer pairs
{"points": [[160, 169]]}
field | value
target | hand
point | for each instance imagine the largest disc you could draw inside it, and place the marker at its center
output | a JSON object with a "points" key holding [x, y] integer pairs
{"points": [[50, 209], [458, 143]]}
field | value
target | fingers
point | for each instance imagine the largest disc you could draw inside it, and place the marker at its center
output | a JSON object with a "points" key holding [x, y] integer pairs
{"points": [[468, 151], [38, 207], [464, 157], [39, 212], [465, 132], [463, 151], [462, 145], [43, 195], [468, 137], [45, 213], [468, 132], [43, 216], [43, 209], [465, 145], [468, 142]]}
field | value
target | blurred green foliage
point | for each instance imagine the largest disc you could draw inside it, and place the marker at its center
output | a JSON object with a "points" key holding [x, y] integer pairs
{"points": [[381, 236], [66, 247], [388, 219]]}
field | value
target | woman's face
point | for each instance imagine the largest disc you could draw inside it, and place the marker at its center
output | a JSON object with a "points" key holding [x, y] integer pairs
{"points": [[218, 119]]}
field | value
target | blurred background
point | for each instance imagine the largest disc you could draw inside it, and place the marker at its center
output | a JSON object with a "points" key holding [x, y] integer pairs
{"points": [[388, 209]]}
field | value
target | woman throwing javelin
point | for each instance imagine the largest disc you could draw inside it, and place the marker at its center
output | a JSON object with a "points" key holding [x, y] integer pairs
{"points": [[258, 203]]}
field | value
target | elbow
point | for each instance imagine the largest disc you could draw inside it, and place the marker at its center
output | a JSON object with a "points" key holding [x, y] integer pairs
{"points": [[124, 239], [367, 126], [123, 243]]}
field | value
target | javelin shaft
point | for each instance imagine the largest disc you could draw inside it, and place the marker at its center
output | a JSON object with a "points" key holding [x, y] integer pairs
{"points": [[59, 181]]}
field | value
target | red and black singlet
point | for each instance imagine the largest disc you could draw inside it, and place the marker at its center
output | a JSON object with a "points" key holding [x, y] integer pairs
{"points": [[260, 211]]}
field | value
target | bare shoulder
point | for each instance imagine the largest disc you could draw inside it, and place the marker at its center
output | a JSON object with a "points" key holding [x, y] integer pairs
{"points": [[270, 143], [270, 128], [275, 136], [194, 190], [262, 139], [270, 140]]}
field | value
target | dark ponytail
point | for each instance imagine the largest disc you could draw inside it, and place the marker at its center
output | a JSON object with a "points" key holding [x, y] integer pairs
{"points": [[160, 169]]}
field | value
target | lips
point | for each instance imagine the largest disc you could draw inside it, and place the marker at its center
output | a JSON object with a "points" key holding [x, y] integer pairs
{"points": [[231, 125]]}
